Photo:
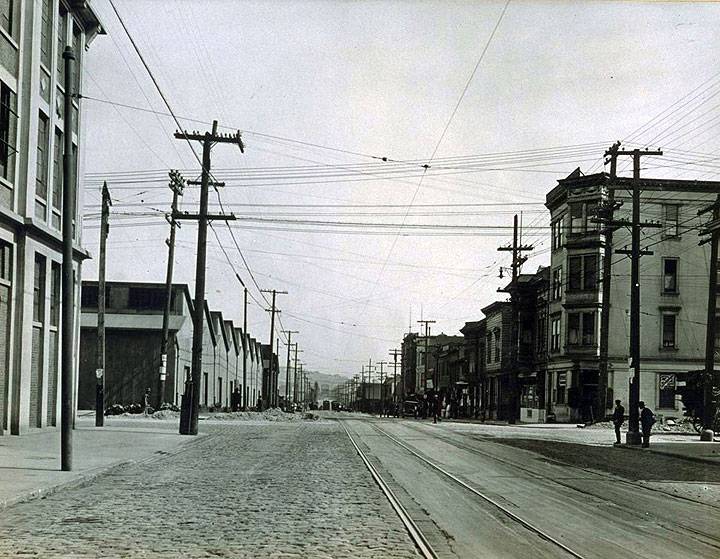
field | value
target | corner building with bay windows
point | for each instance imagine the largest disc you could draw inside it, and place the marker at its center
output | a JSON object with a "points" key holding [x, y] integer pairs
{"points": [[33, 35], [673, 301]]}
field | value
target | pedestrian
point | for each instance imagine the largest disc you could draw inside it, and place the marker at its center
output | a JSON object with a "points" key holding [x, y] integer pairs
{"points": [[146, 402], [618, 418], [647, 419]]}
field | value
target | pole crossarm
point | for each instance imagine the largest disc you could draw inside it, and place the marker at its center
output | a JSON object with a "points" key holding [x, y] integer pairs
{"points": [[210, 183], [198, 217]]}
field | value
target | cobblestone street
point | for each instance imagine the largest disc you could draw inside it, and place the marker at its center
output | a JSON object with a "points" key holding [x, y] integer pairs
{"points": [[280, 490]]}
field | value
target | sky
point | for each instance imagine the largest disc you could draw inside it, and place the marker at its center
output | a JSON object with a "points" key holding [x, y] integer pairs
{"points": [[388, 145]]}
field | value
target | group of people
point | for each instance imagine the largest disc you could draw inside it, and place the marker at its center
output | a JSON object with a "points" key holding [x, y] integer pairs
{"points": [[647, 420]]}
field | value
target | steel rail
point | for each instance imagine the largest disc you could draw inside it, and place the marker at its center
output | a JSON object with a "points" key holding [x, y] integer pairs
{"points": [[504, 510], [713, 540], [415, 533]]}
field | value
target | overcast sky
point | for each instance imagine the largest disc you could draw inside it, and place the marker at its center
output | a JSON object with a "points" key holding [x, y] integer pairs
{"points": [[372, 80]]}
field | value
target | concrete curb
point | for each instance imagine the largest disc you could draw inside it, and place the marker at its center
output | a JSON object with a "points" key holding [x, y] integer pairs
{"points": [[85, 478], [674, 455]]}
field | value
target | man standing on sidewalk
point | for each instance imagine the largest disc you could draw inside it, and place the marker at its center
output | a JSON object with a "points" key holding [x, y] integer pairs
{"points": [[647, 419], [618, 418]]}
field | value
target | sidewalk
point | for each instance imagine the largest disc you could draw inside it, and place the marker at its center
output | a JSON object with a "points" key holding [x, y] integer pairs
{"points": [[697, 451], [30, 464]]}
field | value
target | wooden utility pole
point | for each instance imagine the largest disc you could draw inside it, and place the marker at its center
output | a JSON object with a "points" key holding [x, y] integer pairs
{"points": [[295, 373], [177, 184], [633, 434], [605, 216], [191, 397], [272, 380], [517, 261], [709, 403], [100, 364], [245, 390], [68, 279], [287, 367]]}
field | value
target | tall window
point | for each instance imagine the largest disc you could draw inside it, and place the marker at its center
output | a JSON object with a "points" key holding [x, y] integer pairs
{"points": [[557, 233], [488, 348], [582, 272], [555, 333], [666, 390], [46, 34], [61, 42], [55, 290], [557, 284], [41, 175], [497, 345], [541, 333], [8, 128], [39, 289], [9, 16], [5, 261], [577, 221], [670, 269], [77, 50], [671, 215], [57, 180], [668, 331], [581, 328]]}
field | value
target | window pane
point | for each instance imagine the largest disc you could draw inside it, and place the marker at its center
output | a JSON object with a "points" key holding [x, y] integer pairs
{"points": [[590, 279], [573, 325], [588, 334], [670, 275], [576, 218], [575, 273], [669, 330], [42, 161]]}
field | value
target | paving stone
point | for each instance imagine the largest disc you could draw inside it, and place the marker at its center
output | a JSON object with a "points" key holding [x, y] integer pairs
{"points": [[278, 490]]}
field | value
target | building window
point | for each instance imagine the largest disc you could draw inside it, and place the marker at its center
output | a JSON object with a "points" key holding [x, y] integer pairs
{"points": [[557, 284], [77, 51], [670, 283], [46, 34], [581, 217], [557, 233], [581, 328], [8, 128], [555, 333], [61, 42], [588, 328], [668, 331], [666, 391], [560, 387], [9, 16], [55, 290], [39, 289], [488, 349], [582, 272], [41, 174], [671, 215], [497, 345], [541, 332], [5, 261]]}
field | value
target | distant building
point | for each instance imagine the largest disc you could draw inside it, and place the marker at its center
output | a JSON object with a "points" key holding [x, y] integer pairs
{"points": [[133, 334], [32, 93]]}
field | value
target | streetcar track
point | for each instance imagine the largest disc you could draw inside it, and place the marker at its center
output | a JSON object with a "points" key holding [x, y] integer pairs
{"points": [[714, 541], [527, 525], [415, 533]]}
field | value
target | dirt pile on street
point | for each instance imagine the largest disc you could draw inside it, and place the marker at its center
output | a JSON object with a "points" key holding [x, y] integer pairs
{"points": [[667, 426]]}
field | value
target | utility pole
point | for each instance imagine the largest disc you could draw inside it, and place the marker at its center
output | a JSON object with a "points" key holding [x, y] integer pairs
{"points": [[302, 387], [633, 434], [605, 216], [382, 388], [191, 397], [395, 352], [177, 184], [427, 324], [68, 279], [287, 366], [295, 372], [100, 365], [245, 390], [517, 261], [709, 403], [271, 381]]}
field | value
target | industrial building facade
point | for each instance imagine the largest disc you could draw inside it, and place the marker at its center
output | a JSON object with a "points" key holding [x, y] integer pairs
{"points": [[33, 36]]}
